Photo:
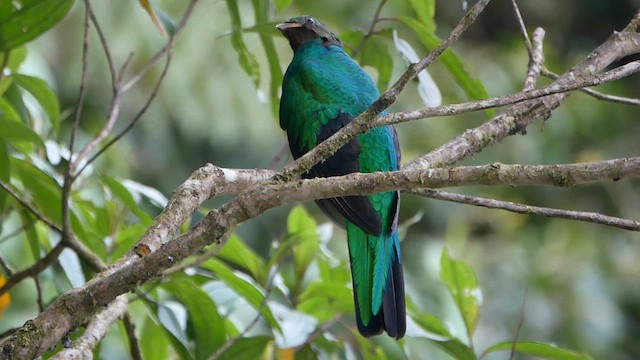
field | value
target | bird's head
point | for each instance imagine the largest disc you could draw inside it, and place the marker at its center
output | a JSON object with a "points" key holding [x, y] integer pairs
{"points": [[303, 28]]}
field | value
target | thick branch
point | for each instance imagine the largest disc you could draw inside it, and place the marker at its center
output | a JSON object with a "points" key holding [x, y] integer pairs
{"points": [[71, 308]]}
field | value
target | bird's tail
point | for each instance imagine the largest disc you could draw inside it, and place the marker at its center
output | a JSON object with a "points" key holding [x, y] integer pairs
{"points": [[378, 284]]}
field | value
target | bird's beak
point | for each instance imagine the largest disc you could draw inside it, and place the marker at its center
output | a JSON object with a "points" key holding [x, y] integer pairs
{"points": [[287, 26]]}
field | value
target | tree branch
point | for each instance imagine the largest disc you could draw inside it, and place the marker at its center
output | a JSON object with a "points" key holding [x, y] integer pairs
{"points": [[596, 94], [34, 269], [530, 210], [536, 61], [82, 347]]}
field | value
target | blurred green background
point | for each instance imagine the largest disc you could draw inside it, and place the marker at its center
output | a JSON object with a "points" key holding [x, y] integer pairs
{"points": [[581, 281]]}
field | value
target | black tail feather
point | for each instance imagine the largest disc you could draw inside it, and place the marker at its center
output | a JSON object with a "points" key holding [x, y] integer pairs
{"points": [[393, 306], [392, 317]]}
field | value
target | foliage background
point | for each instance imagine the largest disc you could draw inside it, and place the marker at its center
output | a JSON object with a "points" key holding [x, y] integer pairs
{"points": [[580, 280]]}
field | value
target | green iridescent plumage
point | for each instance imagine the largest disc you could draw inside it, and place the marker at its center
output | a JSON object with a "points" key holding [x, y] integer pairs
{"points": [[323, 90]]}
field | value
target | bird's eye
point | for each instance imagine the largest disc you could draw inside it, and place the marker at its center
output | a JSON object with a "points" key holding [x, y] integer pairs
{"points": [[311, 21]]}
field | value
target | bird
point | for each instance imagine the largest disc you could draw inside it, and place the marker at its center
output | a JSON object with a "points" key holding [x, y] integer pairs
{"points": [[323, 90]]}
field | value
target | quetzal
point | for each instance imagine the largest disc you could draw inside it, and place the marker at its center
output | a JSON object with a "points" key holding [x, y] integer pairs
{"points": [[322, 91]]}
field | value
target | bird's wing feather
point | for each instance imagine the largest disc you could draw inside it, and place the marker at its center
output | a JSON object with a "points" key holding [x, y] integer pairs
{"points": [[320, 88]]}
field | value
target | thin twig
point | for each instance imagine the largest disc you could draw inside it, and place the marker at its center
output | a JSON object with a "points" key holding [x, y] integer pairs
{"points": [[166, 49], [40, 216], [372, 27], [590, 217], [536, 61], [40, 300], [68, 179], [34, 269], [119, 90], [324, 328], [523, 28], [105, 47], [134, 344], [135, 119], [516, 336], [555, 88], [596, 94], [25, 225], [5, 267], [81, 94]]}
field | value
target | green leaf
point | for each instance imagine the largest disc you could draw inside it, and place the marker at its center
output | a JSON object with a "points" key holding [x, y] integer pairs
{"points": [[243, 288], [160, 19], [326, 300], [207, 324], [238, 253], [16, 57], [18, 112], [246, 348], [28, 222], [302, 228], [5, 172], [30, 19], [282, 5], [16, 131], [461, 281], [439, 334], [154, 343], [538, 349], [462, 73], [248, 61], [8, 111], [426, 12], [261, 8], [375, 53], [43, 94], [171, 325], [5, 83], [122, 194], [44, 190]]}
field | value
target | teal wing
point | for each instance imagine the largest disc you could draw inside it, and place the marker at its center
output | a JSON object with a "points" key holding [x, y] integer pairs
{"points": [[323, 90], [315, 104]]}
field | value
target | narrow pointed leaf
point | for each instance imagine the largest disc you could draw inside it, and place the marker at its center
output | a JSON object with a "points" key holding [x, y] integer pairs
{"points": [[246, 348], [153, 341], [32, 19], [43, 94], [248, 61], [243, 288], [207, 324], [461, 281], [426, 11], [238, 253], [302, 227], [538, 349]]}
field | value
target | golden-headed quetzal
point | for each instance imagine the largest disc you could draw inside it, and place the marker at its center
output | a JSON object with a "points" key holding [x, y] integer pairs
{"points": [[322, 91]]}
